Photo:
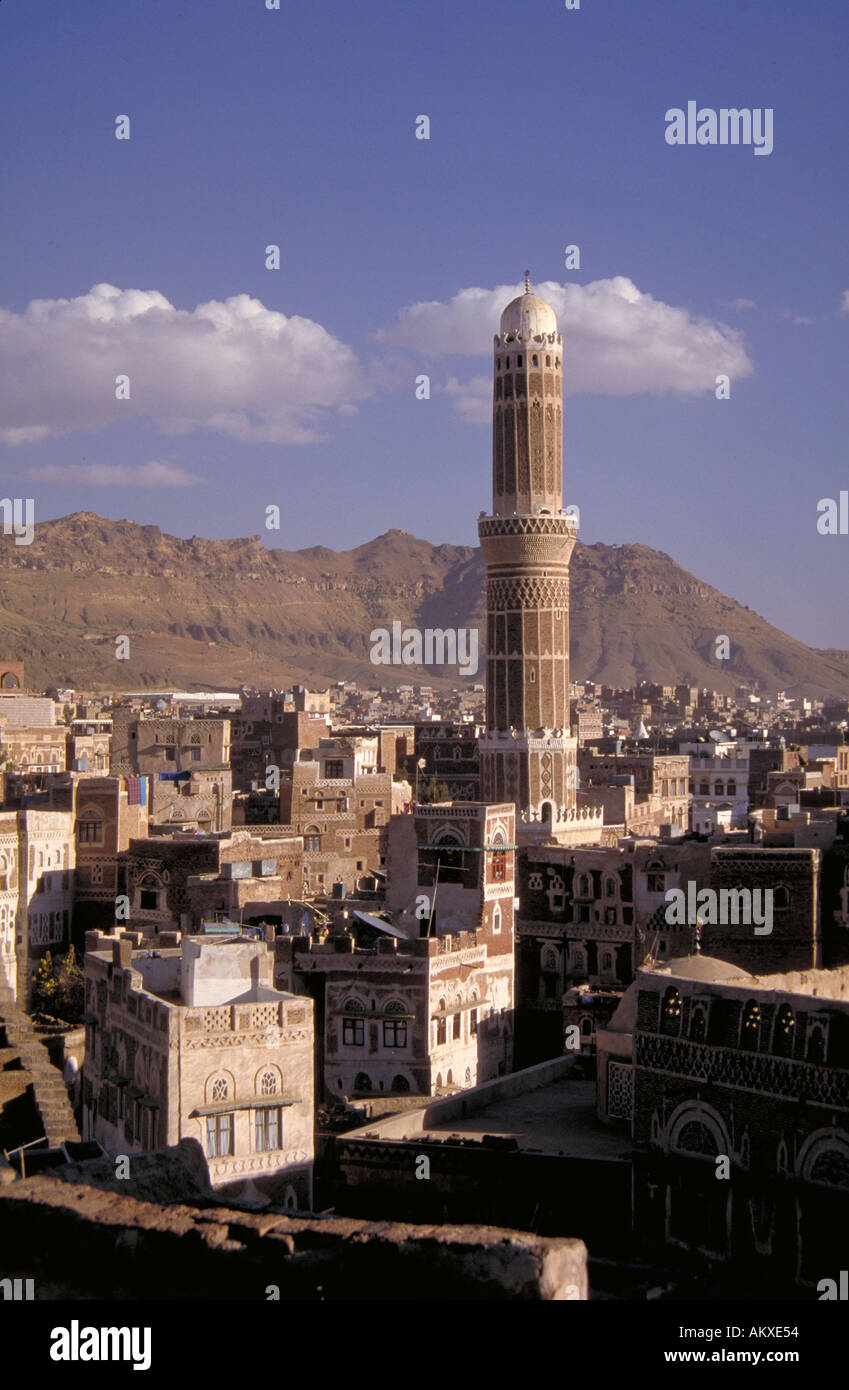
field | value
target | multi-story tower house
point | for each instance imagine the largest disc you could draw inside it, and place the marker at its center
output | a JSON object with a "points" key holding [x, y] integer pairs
{"points": [[528, 755]]}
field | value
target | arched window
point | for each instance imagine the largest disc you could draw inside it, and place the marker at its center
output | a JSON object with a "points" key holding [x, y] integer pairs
{"points": [[719, 789], [449, 858], [496, 918], [781, 896], [750, 1031], [150, 886], [586, 1026], [362, 1082], [698, 1023], [610, 887], [704, 789], [499, 859], [583, 886], [830, 1167], [449, 1080], [548, 961], [441, 1024], [268, 1084], [400, 1084], [353, 1025], [468, 1076], [395, 1007], [782, 1038], [670, 1016], [656, 876], [220, 1090], [696, 1138], [816, 1043], [312, 839]]}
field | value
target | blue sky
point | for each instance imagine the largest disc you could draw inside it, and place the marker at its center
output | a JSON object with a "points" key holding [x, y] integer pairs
{"points": [[296, 386]]}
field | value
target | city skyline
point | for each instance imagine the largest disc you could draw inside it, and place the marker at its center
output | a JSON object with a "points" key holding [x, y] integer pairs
{"points": [[396, 256]]}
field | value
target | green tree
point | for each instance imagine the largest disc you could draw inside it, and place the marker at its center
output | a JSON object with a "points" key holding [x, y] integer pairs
{"points": [[58, 988]]}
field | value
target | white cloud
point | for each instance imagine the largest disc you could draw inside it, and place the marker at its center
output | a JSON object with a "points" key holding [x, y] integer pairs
{"points": [[234, 367], [742, 304], [155, 473], [472, 399], [617, 340], [844, 303]]}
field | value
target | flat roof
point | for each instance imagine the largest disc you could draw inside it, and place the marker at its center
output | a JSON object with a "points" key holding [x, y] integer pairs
{"points": [[556, 1119]]}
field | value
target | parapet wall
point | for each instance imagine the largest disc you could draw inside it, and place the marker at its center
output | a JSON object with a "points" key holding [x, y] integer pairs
{"points": [[81, 1242]]}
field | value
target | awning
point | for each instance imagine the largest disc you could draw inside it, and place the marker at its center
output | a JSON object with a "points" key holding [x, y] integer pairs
{"points": [[258, 1103], [378, 924]]}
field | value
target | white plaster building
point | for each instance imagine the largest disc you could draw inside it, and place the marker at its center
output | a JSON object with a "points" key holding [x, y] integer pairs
{"points": [[196, 1043]]}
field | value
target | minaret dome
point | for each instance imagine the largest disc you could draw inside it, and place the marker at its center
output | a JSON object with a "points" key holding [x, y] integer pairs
{"points": [[527, 316]]}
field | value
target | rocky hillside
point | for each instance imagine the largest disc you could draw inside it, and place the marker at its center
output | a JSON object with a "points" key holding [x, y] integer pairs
{"points": [[213, 614]]}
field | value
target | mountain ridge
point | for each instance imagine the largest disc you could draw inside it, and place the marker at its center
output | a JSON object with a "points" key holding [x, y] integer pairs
{"points": [[220, 613]]}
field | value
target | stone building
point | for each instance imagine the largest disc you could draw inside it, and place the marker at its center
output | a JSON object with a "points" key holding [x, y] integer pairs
{"points": [[834, 900], [11, 675], [36, 892], [706, 1062], [89, 745], [719, 785], [451, 759], [197, 1043], [528, 754], [342, 819], [178, 881], [108, 815], [419, 1001], [198, 800], [33, 748], [270, 730], [145, 745], [587, 919], [257, 877], [186, 762], [660, 782], [792, 877]]}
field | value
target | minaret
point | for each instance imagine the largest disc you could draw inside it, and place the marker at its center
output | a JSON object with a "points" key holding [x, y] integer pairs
{"points": [[527, 754]]}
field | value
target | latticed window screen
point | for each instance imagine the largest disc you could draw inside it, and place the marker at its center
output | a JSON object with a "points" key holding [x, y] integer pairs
{"points": [[620, 1090]]}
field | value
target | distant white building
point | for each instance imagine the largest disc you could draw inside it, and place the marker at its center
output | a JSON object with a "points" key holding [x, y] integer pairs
{"points": [[719, 786]]}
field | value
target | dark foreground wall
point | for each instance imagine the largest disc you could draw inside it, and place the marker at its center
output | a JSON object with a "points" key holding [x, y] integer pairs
{"points": [[84, 1242]]}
